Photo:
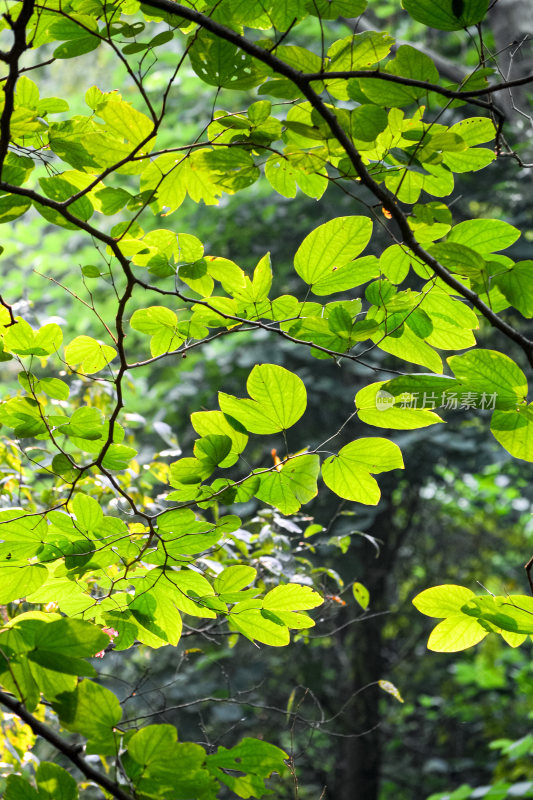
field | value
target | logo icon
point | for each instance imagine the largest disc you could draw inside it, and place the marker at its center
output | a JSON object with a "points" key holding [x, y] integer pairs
{"points": [[384, 400]]}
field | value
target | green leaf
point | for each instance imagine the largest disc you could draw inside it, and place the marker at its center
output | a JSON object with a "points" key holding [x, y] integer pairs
{"points": [[109, 201], [359, 51], [377, 406], [513, 639], [350, 275], [490, 372], [61, 188], [235, 578], [72, 637], [76, 47], [427, 390], [161, 324], [159, 765], [442, 601], [20, 581], [395, 263], [349, 474], [330, 246], [259, 111], [189, 472], [55, 783], [188, 590], [361, 594], [19, 789], [291, 597], [278, 400], [156, 613], [155, 743], [514, 431], [484, 235], [93, 711], [53, 387], [196, 277], [118, 456], [126, 121], [90, 354], [475, 130], [409, 347], [45, 662], [231, 169], [332, 9], [23, 340], [256, 758], [262, 279], [517, 286], [212, 449], [248, 620], [85, 423], [215, 422], [220, 63], [409, 63], [291, 485], [458, 258], [12, 207], [89, 515], [512, 613], [456, 633], [447, 15]]}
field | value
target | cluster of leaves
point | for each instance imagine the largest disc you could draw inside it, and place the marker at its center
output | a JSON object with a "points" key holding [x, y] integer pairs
{"points": [[467, 619], [351, 113]]}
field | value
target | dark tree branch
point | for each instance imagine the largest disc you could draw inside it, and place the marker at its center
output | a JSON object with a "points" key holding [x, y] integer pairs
{"points": [[458, 94], [12, 58], [528, 568], [12, 320], [69, 751], [385, 197], [446, 68]]}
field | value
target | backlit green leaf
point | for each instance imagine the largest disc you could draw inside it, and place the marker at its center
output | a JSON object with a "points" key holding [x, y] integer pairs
{"points": [[361, 594], [517, 286], [93, 711], [291, 485], [291, 597], [330, 246], [377, 406], [20, 581], [349, 474], [442, 601], [55, 783], [490, 372], [215, 422], [235, 578], [513, 429], [456, 633], [89, 354], [278, 400], [484, 235]]}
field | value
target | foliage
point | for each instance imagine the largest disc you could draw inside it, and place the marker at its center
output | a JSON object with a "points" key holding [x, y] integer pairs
{"points": [[354, 111]]}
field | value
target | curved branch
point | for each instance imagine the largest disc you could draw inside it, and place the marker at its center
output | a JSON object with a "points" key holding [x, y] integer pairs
{"points": [[446, 68], [69, 751], [12, 58], [385, 197], [458, 94]]}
